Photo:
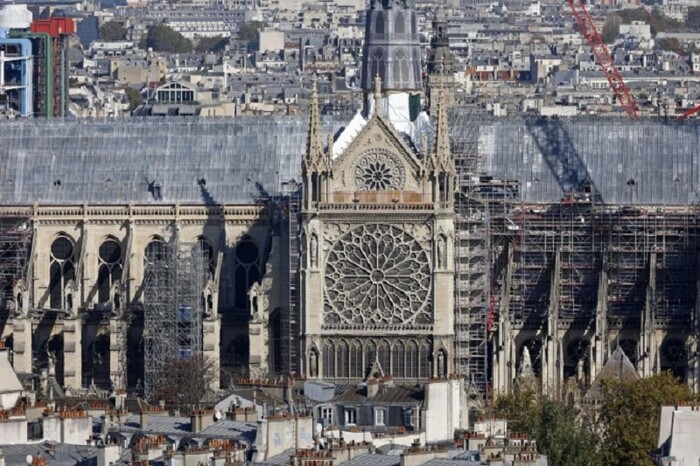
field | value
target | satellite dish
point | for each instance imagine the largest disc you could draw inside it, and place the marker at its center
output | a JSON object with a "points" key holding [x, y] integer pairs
{"points": [[217, 415], [29, 459], [319, 428]]}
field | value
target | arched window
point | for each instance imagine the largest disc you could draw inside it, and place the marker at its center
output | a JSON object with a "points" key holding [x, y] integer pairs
{"points": [[207, 251], [398, 363], [110, 268], [96, 362], [400, 67], [370, 357], [246, 273], [400, 24], [577, 354], [412, 360], [423, 358], [356, 367], [342, 360], [62, 269], [328, 360], [674, 357], [379, 23], [384, 356], [156, 251], [377, 65]]}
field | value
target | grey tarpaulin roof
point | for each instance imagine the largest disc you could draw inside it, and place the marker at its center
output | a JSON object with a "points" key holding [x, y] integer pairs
{"points": [[626, 162], [112, 161], [115, 161]]}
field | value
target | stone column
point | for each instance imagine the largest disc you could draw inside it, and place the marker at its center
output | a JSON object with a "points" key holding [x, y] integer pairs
{"points": [[22, 344], [601, 325], [72, 352], [551, 347], [117, 352], [211, 343], [648, 340]]}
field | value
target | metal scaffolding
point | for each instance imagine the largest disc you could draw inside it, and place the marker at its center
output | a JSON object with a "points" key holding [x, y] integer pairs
{"points": [[15, 244], [173, 285]]}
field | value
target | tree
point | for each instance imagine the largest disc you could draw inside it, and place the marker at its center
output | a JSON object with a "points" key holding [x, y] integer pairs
{"points": [[211, 44], [671, 44], [693, 21], [185, 381], [112, 31], [249, 31], [133, 96], [658, 21], [561, 431], [629, 416], [161, 38], [611, 29]]}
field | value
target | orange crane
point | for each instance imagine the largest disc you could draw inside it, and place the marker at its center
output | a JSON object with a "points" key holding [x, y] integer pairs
{"points": [[602, 56], [688, 113]]}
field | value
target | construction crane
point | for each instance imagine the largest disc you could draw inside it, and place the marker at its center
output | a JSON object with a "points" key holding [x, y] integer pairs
{"points": [[688, 113], [603, 58]]}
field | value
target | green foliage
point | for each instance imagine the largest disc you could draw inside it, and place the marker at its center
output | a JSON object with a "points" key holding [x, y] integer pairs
{"points": [[112, 31], [134, 98], [693, 20], [161, 38], [670, 44], [611, 29], [558, 427], [658, 21], [629, 417], [249, 31], [211, 44]]}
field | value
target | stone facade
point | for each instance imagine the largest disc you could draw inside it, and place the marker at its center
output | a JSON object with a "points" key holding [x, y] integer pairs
{"points": [[377, 264]]}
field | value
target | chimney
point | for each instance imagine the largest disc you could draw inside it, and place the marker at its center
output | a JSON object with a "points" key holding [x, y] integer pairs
{"points": [[119, 399], [201, 419], [143, 419], [372, 387]]}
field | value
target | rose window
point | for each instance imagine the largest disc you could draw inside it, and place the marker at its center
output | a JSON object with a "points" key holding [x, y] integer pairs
{"points": [[377, 274], [379, 171]]}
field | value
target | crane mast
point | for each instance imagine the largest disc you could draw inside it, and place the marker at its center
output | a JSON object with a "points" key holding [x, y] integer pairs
{"points": [[602, 56]]}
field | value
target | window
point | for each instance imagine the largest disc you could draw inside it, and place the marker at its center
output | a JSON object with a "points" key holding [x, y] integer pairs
{"points": [[61, 271], [380, 417], [408, 417], [246, 271], [350, 416], [110, 269], [326, 415]]}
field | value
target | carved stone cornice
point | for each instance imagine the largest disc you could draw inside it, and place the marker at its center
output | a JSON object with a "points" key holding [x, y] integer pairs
{"points": [[381, 217], [143, 214], [375, 331]]}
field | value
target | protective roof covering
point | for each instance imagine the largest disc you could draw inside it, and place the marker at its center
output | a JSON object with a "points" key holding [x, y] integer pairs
{"points": [[59, 454], [617, 367], [370, 459], [113, 161], [177, 426], [624, 162], [238, 159]]}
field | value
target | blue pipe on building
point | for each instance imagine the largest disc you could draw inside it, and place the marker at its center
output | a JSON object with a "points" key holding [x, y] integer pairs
{"points": [[25, 63]]}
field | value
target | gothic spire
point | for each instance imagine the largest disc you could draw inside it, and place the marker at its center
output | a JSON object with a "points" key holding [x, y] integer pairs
{"points": [[314, 157], [442, 153]]}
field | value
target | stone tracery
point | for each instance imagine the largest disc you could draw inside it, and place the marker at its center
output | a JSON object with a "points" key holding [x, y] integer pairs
{"points": [[379, 170], [377, 274]]}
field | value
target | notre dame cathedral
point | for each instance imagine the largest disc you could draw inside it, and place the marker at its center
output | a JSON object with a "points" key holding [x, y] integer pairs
{"points": [[395, 242]]}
